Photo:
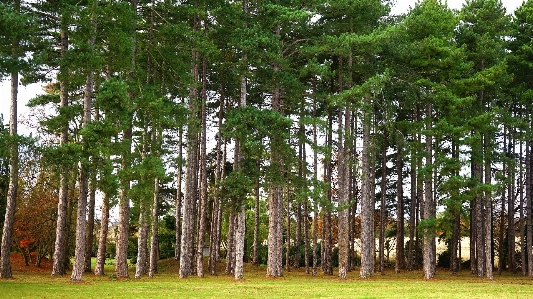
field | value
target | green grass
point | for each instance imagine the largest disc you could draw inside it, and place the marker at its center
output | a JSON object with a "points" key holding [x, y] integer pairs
{"points": [[294, 284]]}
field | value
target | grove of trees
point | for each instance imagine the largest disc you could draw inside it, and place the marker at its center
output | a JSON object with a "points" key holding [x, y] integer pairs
{"points": [[325, 135]]}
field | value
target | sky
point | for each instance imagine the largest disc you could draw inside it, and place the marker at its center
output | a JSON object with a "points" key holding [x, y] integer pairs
{"points": [[28, 92]]}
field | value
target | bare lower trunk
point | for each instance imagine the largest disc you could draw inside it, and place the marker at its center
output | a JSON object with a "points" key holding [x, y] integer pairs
{"points": [[240, 230], [429, 247], [367, 203], [230, 250], [179, 198], [58, 267], [412, 218], [154, 244], [140, 268], [344, 194], [121, 259], [5, 249], [529, 193], [79, 253], [488, 213], [400, 246], [102, 241], [90, 226]]}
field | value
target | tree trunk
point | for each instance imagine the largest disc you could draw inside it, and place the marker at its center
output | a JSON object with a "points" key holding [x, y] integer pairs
{"points": [[255, 259], [412, 215], [240, 223], [230, 250], [382, 212], [179, 197], [315, 200], [400, 246], [191, 176], [275, 199], [140, 268], [90, 225], [429, 247], [456, 212], [79, 255], [367, 200], [344, 192], [523, 248], [327, 242], [102, 241], [9, 219], [60, 246], [511, 235], [488, 211], [154, 244], [203, 177], [529, 194], [214, 238]]}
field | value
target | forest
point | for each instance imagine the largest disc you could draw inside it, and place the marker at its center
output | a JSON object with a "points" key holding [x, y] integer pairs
{"points": [[324, 135]]}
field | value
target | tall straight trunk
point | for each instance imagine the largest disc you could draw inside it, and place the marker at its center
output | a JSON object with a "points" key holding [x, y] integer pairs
{"points": [[240, 223], [367, 200], [429, 247], [344, 192], [202, 209], [140, 267], [230, 249], [179, 197], [191, 175], [327, 242], [79, 254], [488, 209], [400, 245], [288, 234], [89, 87], [511, 235], [240, 220], [255, 258], [9, 218], [275, 199], [382, 212], [214, 236], [315, 201], [305, 216], [60, 245], [121, 261], [456, 222], [529, 193], [154, 244], [501, 236], [412, 215], [523, 249], [102, 240], [90, 224]]}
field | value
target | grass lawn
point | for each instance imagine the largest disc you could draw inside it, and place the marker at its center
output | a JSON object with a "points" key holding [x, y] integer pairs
{"points": [[30, 282]]}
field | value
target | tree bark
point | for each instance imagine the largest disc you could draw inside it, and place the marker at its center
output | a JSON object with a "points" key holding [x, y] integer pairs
{"points": [[367, 200], [59, 267], [382, 210], [9, 219], [203, 177], [400, 245], [90, 225], [429, 247], [140, 267], [102, 241], [154, 231], [179, 197], [344, 192]]}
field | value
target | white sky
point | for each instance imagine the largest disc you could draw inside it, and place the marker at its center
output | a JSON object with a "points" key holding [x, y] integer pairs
{"points": [[26, 93]]}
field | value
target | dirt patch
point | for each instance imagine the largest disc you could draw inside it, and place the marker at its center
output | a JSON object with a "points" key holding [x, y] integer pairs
{"points": [[18, 265]]}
